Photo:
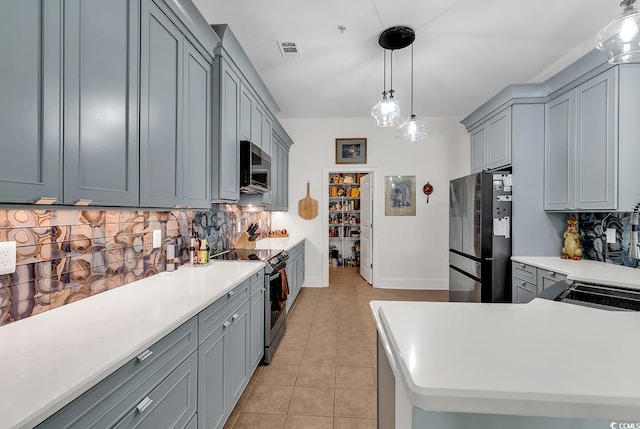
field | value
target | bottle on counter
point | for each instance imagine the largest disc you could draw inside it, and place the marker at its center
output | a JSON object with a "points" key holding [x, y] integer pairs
{"points": [[203, 253], [193, 255], [171, 255]]}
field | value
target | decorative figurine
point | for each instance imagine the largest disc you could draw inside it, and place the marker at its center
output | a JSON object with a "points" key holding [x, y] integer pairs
{"points": [[571, 249]]}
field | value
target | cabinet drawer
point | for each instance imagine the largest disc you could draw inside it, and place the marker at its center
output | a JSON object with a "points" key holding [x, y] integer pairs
{"points": [[170, 405], [257, 282], [213, 316], [523, 292], [547, 278], [525, 272], [107, 402]]}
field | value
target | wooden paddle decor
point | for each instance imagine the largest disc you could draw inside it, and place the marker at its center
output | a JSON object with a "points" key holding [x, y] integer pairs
{"points": [[308, 207]]}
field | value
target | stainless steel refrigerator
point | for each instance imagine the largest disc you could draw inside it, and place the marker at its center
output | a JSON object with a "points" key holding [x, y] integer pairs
{"points": [[480, 238]]}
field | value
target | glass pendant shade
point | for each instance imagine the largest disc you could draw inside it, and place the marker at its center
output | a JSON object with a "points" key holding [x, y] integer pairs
{"points": [[412, 130], [620, 40], [387, 111]]}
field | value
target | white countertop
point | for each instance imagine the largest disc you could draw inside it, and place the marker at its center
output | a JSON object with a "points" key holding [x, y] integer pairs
{"points": [[49, 359], [586, 270], [544, 358], [286, 243]]}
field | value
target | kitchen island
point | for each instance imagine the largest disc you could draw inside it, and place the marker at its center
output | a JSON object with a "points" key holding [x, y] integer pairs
{"points": [[541, 365]]}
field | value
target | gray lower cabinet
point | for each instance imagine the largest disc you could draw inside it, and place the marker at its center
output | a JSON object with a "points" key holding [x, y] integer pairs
{"points": [[226, 144], [295, 272], [174, 116], [256, 347], [31, 39], [226, 353], [581, 147], [101, 102], [529, 281], [124, 392], [491, 143]]}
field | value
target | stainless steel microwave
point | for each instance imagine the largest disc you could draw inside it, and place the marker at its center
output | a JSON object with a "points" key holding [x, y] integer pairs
{"points": [[255, 169]]}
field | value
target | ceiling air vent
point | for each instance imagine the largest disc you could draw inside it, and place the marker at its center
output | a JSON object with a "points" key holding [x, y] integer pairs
{"points": [[289, 49]]}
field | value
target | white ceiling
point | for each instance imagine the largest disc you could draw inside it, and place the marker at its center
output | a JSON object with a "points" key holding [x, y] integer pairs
{"points": [[465, 50]]}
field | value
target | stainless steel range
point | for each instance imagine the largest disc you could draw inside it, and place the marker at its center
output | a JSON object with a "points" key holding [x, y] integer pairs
{"points": [[275, 261], [594, 295]]}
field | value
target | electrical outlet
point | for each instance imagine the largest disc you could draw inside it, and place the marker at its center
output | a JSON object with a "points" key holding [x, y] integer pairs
{"points": [[157, 238], [611, 235], [7, 257]]}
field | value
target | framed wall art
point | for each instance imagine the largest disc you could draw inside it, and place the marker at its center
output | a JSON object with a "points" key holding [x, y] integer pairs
{"points": [[400, 195], [351, 151]]}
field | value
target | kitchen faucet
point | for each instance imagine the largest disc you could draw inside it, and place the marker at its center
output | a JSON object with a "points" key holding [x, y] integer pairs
{"points": [[634, 247]]}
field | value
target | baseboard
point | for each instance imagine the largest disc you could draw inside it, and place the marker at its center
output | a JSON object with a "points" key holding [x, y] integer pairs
{"points": [[414, 284], [312, 281]]}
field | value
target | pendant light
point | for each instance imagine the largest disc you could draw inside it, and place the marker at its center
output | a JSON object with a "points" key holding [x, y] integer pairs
{"points": [[620, 40], [412, 129], [387, 111]]}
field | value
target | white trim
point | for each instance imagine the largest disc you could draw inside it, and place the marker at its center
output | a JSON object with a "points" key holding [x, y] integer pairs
{"points": [[414, 284]]}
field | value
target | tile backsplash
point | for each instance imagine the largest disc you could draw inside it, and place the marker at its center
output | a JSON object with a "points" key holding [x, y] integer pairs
{"points": [[594, 242], [66, 255]]}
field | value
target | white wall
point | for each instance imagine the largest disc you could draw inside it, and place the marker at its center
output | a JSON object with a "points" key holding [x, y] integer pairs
{"points": [[410, 252]]}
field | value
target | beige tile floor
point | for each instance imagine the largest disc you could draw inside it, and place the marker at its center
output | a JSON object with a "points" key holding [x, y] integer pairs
{"points": [[323, 375]]}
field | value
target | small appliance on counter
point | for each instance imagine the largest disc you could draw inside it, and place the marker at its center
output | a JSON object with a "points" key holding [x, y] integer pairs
{"points": [[480, 237]]}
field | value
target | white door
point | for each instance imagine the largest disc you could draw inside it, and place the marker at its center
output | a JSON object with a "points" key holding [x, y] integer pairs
{"points": [[366, 209]]}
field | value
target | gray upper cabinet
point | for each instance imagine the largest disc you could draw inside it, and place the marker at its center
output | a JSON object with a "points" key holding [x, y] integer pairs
{"points": [[101, 102], [226, 154], [491, 143], [246, 109], [581, 147], [197, 129], [478, 145], [161, 162], [559, 153], [499, 142], [257, 120], [30, 104], [596, 143], [267, 126]]}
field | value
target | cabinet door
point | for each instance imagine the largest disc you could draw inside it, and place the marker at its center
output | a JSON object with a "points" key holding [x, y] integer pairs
{"points": [[212, 365], [197, 129], [161, 163], [291, 279], [284, 186], [246, 109], [229, 162], [559, 153], [101, 102], [548, 278], [30, 100], [257, 328], [267, 127], [272, 197], [478, 147], [499, 143], [257, 118], [596, 143], [237, 369]]}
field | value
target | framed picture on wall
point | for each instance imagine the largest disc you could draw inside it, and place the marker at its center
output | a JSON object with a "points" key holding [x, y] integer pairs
{"points": [[351, 151], [400, 195]]}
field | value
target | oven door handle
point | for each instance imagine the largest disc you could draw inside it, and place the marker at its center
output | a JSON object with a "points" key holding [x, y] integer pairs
{"points": [[274, 276]]}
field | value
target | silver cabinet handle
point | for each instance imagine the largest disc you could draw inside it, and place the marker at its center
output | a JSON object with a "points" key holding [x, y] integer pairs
{"points": [[144, 404], [551, 273], [144, 355], [523, 266], [226, 324], [524, 283], [232, 293], [263, 289], [235, 316]]}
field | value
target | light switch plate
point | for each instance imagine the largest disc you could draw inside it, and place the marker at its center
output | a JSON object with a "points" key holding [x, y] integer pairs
{"points": [[157, 238], [611, 235], [7, 257]]}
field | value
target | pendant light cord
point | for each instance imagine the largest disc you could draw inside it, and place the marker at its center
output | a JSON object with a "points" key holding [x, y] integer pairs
{"points": [[412, 79], [391, 79], [384, 72]]}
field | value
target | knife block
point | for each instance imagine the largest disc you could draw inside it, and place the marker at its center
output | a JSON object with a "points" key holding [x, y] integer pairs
{"points": [[243, 242]]}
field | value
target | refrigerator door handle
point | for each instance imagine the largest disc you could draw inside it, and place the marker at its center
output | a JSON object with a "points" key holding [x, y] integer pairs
{"points": [[464, 273], [466, 255]]}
